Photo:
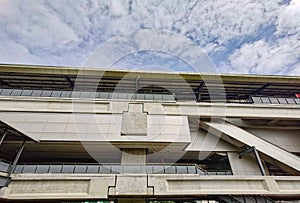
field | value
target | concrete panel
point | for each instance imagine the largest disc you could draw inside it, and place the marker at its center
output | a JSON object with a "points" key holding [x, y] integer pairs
{"points": [[173, 185], [83, 186], [40, 104], [168, 128], [286, 139], [129, 185], [65, 126], [219, 186], [134, 123], [59, 186], [17, 104], [203, 141], [288, 185], [133, 156], [135, 108], [247, 165], [224, 110], [55, 187]]}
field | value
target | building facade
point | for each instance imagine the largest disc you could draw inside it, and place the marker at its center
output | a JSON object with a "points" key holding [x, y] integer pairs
{"points": [[84, 135]]}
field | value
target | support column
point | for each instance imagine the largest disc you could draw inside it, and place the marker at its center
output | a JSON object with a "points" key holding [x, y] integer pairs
{"points": [[257, 157], [245, 166], [3, 136], [134, 156], [13, 166]]}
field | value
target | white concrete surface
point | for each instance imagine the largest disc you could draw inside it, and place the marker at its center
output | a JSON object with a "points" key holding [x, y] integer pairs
{"points": [[261, 145], [83, 186]]}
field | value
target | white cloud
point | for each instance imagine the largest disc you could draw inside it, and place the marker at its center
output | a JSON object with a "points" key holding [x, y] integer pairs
{"points": [[277, 56], [65, 32], [222, 21], [289, 19], [11, 51], [261, 57], [27, 22]]}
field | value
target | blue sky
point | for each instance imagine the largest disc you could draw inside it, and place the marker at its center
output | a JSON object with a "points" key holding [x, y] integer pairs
{"points": [[239, 36]]}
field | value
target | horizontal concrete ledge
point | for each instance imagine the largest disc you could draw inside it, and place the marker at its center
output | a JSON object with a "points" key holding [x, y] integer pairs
{"points": [[61, 105], [57, 186], [171, 185], [225, 110], [92, 186]]}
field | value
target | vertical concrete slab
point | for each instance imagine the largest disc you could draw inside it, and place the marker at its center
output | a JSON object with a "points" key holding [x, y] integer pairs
{"points": [[133, 156], [247, 165], [134, 123]]}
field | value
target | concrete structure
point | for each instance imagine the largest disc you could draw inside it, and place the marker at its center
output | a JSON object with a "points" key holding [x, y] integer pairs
{"points": [[128, 136]]}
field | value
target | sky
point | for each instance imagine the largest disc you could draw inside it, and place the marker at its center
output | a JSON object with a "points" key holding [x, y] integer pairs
{"points": [[238, 36]]}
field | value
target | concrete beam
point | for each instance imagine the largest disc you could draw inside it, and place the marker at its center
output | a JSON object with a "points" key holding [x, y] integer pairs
{"points": [[69, 105], [100, 186], [134, 156], [224, 110], [261, 145], [172, 185], [57, 186]]}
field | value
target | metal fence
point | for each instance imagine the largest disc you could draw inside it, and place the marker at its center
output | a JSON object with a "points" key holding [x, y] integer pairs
{"points": [[91, 95], [275, 100], [116, 169]]}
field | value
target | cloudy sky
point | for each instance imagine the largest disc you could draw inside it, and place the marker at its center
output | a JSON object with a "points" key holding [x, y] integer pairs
{"points": [[239, 36]]}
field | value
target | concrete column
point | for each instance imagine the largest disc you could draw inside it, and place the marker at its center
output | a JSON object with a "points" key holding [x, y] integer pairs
{"points": [[133, 156], [131, 201], [247, 165]]}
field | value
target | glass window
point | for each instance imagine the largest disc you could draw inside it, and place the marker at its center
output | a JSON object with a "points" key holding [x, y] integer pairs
{"points": [[19, 169], [75, 94], [265, 100], [46, 93], [56, 94], [26, 92], [6, 92], [29, 168], [36, 93], [80, 168], [290, 101], [42, 169], [93, 169], [274, 100], [16, 93], [66, 94], [105, 169], [55, 168], [85, 94], [68, 168], [282, 101]]}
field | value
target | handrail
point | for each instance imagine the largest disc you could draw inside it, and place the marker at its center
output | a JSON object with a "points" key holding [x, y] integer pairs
{"points": [[86, 94], [116, 168]]}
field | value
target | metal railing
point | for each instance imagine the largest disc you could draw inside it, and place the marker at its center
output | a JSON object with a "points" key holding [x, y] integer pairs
{"points": [[88, 95], [275, 100], [4, 166], [116, 169]]}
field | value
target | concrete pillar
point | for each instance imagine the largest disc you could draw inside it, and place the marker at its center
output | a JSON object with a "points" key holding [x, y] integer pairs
{"points": [[134, 156], [247, 165], [131, 201]]}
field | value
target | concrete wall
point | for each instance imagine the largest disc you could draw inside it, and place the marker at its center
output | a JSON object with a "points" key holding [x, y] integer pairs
{"points": [[30, 104], [288, 139], [59, 186], [82, 186], [47, 126], [247, 165]]}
